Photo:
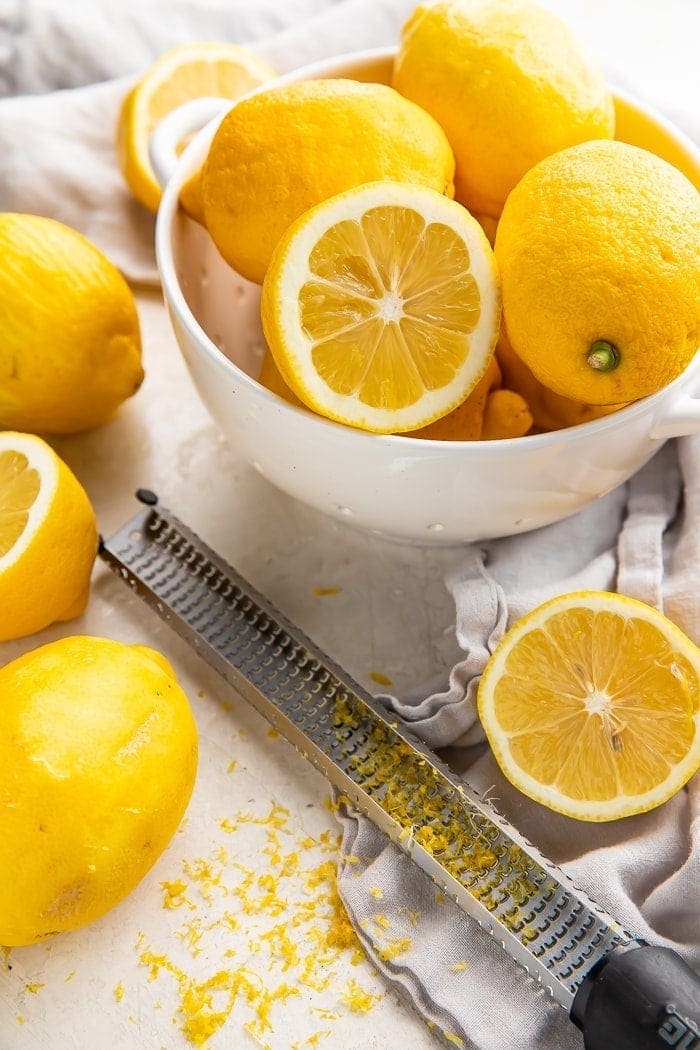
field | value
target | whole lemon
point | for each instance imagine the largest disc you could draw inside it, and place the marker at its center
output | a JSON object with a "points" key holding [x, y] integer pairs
{"points": [[70, 348], [98, 750], [508, 82], [549, 411], [280, 152], [48, 537], [600, 270]]}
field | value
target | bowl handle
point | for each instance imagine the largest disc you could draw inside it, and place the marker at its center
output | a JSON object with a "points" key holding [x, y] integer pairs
{"points": [[680, 418], [183, 121]]}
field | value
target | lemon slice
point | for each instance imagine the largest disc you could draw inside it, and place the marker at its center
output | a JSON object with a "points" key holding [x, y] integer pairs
{"points": [[590, 704], [192, 71], [381, 306], [48, 538]]}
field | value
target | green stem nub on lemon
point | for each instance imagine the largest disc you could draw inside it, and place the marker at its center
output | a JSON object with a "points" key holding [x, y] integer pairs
{"points": [[603, 356]]}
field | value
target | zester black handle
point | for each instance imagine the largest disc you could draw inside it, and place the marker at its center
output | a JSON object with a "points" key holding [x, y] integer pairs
{"points": [[641, 998]]}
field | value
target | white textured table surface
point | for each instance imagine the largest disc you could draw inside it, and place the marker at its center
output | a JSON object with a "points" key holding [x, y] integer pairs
{"points": [[392, 616]]}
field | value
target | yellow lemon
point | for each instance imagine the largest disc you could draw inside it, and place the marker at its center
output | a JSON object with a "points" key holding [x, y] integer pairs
{"points": [[506, 415], [591, 705], [98, 749], [48, 538], [599, 259], [286, 149], [271, 378], [508, 82], [200, 70], [70, 347], [549, 411], [381, 306], [465, 422]]}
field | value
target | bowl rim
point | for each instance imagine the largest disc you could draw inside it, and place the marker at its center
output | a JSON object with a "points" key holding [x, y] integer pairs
{"points": [[404, 444]]}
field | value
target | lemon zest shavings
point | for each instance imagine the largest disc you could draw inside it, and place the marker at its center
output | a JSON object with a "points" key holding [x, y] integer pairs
{"points": [[357, 998], [174, 895], [380, 679]]}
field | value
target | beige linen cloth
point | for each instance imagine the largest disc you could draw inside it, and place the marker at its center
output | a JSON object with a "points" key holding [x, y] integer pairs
{"points": [[68, 66]]}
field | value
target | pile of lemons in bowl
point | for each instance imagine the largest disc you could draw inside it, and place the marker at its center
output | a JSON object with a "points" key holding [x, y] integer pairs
{"points": [[367, 212], [467, 254]]}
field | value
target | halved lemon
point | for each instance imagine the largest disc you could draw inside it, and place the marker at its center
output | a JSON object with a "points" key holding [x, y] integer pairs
{"points": [[590, 705], [48, 537], [381, 306], [201, 70]]}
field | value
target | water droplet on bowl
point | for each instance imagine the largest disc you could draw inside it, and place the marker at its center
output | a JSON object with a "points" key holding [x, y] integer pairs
{"points": [[345, 511], [436, 526], [256, 466]]}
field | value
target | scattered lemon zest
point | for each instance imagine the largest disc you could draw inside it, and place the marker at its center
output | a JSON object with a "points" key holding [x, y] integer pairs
{"points": [[328, 1015], [174, 895], [312, 1040], [118, 992], [325, 592], [392, 949], [459, 967], [205, 875], [273, 733], [452, 1038], [33, 988], [413, 916], [380, 679], [70, 976], [191, 933], [376, 892], [232, 765], [357, 998]]}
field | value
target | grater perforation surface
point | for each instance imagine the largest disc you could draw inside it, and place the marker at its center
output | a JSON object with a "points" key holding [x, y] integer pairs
{"points": [[529, 906]]}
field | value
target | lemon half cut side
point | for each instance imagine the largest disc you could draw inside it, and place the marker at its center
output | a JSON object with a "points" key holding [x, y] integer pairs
{"points": [[48, 538], [591, 705], [381, 306]]}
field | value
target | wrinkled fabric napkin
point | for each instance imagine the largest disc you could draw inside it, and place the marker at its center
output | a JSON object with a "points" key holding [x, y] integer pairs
{"points": [[57, 158]]}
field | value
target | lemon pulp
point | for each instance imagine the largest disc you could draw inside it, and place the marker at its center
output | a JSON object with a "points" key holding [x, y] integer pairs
{"points": [[389, 306], [597, 705], [19, 488]]}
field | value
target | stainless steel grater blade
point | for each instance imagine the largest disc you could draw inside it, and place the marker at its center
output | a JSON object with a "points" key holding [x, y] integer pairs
{"points": [[530, 907]]}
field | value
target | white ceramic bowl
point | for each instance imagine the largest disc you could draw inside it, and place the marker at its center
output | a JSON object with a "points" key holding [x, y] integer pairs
{"points": [[410, 489]]}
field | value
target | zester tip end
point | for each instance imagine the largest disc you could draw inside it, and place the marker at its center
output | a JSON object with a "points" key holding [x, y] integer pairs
{"points": [[146, 496]]}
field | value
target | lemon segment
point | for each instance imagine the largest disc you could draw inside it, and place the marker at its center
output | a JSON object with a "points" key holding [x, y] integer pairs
{"points": [[381, 307], [19, 488], [591, 706], [217, 70], [48, 538]]}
